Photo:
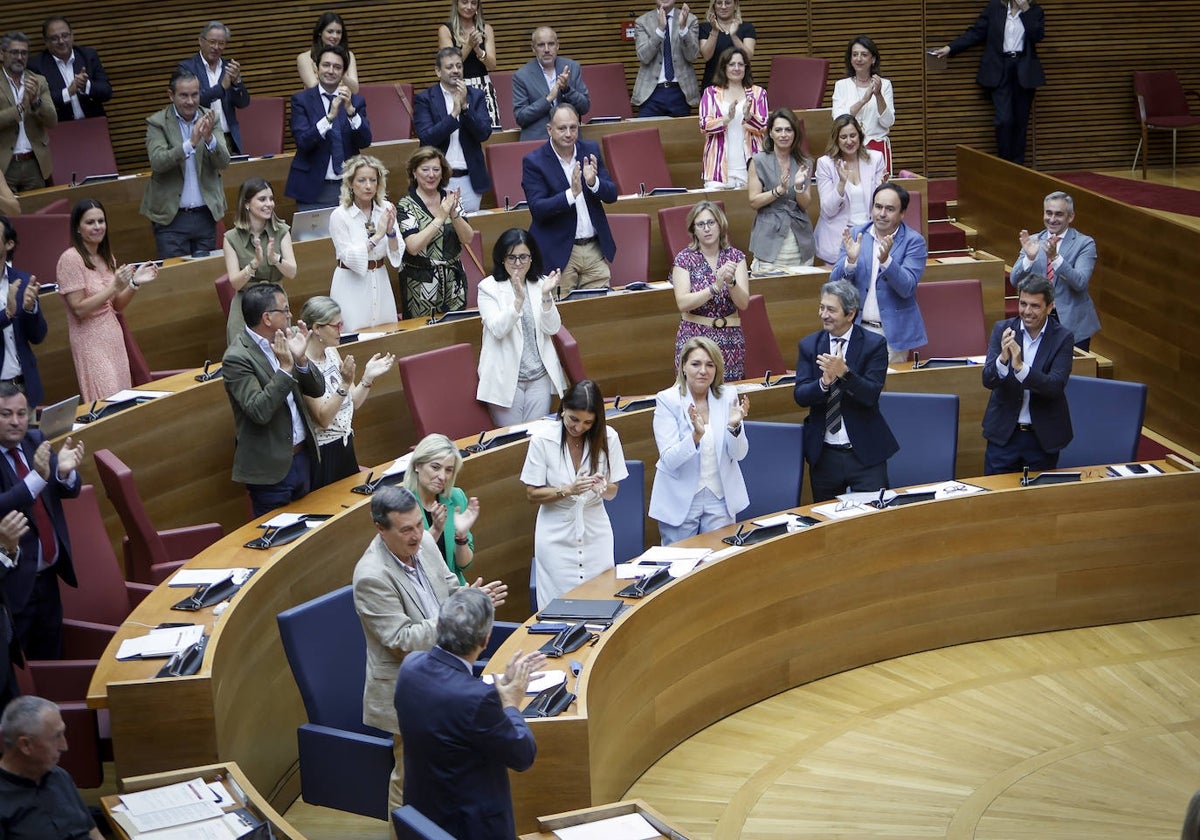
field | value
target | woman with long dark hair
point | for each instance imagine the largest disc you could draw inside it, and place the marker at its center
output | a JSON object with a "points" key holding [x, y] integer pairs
{"points": [[778, 189], [330, 31]]}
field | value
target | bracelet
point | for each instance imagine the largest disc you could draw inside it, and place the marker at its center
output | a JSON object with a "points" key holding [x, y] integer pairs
{"points": [[365, 384], [460, 540], [341, 392], [392, 235], [561, 493], [252, 267], [133, 284]]}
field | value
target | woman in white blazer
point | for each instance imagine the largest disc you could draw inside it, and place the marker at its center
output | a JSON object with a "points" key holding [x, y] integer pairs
{"points": [[698, 484], [518, 366]]}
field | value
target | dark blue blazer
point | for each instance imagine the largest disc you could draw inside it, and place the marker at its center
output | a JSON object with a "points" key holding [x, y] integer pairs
{"points": [[28, 328], [459, 742], [14, 495], [1046, 383], [545, 187], [83, 58], [866, 363], [306, 178], [231, 98], [434, 125], [989, 28]]}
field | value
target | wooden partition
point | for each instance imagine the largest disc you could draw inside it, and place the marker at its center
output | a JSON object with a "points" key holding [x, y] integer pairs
{"points": [[1145, 285]]}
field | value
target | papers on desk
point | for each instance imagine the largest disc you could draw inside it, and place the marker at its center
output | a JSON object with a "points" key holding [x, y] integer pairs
{"points": [[161, 643], [624, 827], [185, 811], [130, 394], [539, 681], [847, 509], [680, 560], [945, 489], [1134, 470], [207, 577]]}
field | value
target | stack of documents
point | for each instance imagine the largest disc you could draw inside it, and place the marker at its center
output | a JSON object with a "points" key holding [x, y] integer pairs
{"points": [[161, 643], [185, 811], [624, 827], [680, 560]]}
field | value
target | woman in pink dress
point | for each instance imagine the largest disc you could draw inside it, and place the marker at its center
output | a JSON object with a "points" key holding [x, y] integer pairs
{"points": [[94, 289]]}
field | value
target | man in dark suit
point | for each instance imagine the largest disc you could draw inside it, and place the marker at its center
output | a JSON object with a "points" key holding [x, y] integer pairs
{"points": [[1027, 421], [565, 182], [329, 125], [267, 375], [544, 82], [1009, 69], [221, 86], [34, 481], [839, 375], [454, 118], [21, 323], [78, 84], [13, 526], [461, 735]]}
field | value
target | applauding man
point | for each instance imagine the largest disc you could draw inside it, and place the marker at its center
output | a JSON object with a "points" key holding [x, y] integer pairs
{"points": [[545, 82]]}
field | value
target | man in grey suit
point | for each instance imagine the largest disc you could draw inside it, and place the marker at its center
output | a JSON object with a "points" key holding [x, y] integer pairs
{"points": [[185, 197], [667, 42], [543, 83], [1066, 257], [266, 374], [400, 583]]}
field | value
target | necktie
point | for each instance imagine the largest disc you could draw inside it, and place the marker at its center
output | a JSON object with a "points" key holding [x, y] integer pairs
{"points": [[833, 404], [336, 153], [1052, 240], [668, 60], [41, 517]]}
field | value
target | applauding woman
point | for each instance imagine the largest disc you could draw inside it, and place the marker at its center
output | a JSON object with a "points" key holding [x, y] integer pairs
{"points": [[733, 117], [474, 38], [363, 230], [258, 249], [448, 514], [433, 279], [866, 96], [722, 29], [333, 411], [330, 31], [847, 175], [95, 289], [571, 467], [518, 366], [777, 186], [698, 485]]}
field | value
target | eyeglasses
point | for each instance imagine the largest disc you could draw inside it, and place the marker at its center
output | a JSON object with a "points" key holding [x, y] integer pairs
{"points": [[286, 312], [218, 44], [705, 224], [18, 53], [65, 36], [517, 259], [336, 325]]}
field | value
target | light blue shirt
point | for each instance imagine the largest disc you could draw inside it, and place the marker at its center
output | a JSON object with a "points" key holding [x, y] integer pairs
{"points": [[191, 196]]}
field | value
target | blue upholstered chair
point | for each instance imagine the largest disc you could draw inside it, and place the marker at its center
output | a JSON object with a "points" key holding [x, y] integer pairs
{"points": [[344, 764], [1106, 415], [411, 824], [926, 426], [773, 468]]}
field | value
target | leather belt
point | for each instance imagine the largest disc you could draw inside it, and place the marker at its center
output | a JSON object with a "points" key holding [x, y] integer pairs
{"points": [[19, 381], [667, 84], [1012, 55], [840, 447], [1024, 427], [717, 323], [587, 240], [874, 324], [459, 173], [23, 156], [193, 209], [371, 265]]}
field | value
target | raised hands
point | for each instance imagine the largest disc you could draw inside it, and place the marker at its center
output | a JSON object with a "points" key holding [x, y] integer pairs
{"points": [[232, 74], [202, 130], [1052, 248], [289, 346], [852, 244], [464, 520], [376, 366], [591, 169], [697, 421], [512, 683], [548, 284], [800, 179], [145, 273], [10, 306], [739, 411], [1029, 245], [30, 94], [885, 246], [496, 590], [30, 299], [347, 368], [1010, 349], [70, 456], [576, 179], [78, 82], [13, 526], [832, 367], [561, 82], [449, 204], [437, 520]]}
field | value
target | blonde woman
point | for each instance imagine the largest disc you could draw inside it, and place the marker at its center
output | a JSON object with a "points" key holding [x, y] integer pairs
{"points": [[447, 512], [363, 229], [722, 29], [466, 30]]}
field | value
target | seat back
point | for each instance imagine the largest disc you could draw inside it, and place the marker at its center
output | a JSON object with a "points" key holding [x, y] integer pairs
{"points": [[607, 90], [569, 355], [146, 548], [1191, 820], [627, 514], [631, 233], [440, 387], [225, 293], [262, 126], [672, 227], [411, 824], [926, 427], [762, 349], [475, 273], [635, 159], [81, 148], [773, 467], [1161, 93], [954, 320], [44, 236], [389, 115], [797, 82], [913, 217], [504, 165], [139, 368], [1106, 416], [502, 82], [101, 596]]}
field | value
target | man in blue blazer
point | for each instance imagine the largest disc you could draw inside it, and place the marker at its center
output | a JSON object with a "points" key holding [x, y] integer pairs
{"points": [[885, 259], [454, 118], [76, 78], [329, 125], [1067, 255], [839, 375], [34, 481], [22, 315], [544, 82], [221, 87], [1027, 421], [565, 182], [461, 735]]}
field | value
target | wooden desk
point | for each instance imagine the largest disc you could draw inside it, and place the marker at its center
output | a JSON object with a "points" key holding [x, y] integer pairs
{"points": [[549, 824]]}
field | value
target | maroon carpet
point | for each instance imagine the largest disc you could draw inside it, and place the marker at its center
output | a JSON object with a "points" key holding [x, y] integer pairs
{"points": [[1139, 193]]}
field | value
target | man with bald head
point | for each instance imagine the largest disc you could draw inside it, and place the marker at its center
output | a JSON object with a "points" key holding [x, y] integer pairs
{"points": [[546, 81]]}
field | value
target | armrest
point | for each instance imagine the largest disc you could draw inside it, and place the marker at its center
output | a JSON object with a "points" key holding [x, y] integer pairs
{"points": [[185, 543], [137, 592], [62, 679], [85, 639]]}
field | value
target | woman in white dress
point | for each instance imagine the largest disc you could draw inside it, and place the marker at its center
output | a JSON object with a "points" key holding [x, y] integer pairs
{"points": [[572, 466], [363, 229], [867, 96]]}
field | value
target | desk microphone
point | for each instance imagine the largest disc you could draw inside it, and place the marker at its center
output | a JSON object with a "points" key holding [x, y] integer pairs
{"points": [[1025, 476]]}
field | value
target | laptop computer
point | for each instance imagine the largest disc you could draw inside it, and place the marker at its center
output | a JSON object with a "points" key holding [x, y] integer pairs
{"points": [[58, 419], [311, 224]]}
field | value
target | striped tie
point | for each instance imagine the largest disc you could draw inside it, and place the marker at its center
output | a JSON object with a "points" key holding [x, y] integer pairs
{"points": [[833, 405]]}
